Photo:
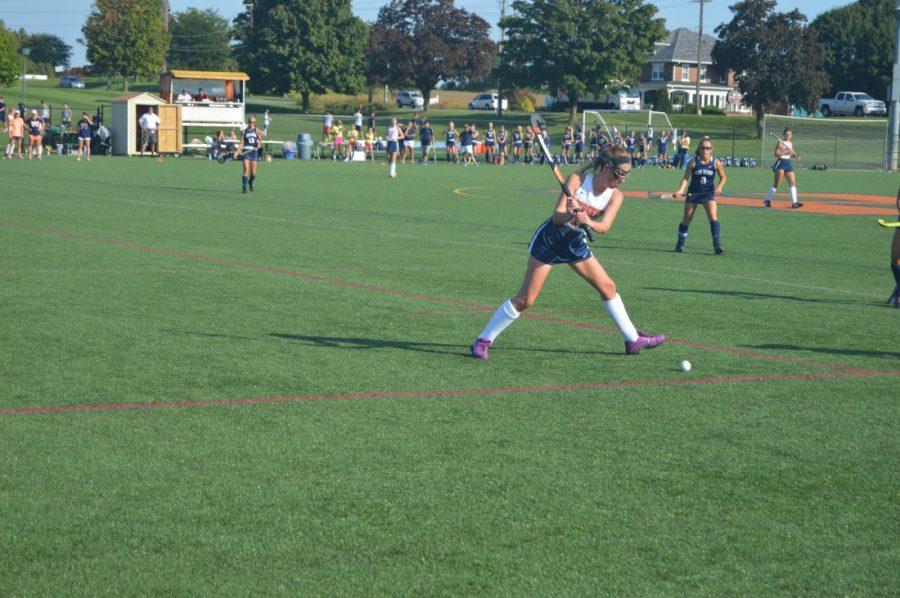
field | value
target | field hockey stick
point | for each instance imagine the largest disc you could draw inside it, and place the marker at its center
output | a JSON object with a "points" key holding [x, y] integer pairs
{"points": [[536, 123], [887, 224], [657, 195]]}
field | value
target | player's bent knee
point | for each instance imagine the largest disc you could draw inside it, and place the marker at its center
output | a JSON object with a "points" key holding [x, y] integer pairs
{"points": [[522, 303]]}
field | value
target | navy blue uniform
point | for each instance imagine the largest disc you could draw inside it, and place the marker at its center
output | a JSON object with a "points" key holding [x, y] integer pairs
{"points": [[426, 135], [554, 244], [517, 139], [489, 138], [465, 138], [251, 139], [34, 126], [784, 164], [702, 187], [84, 129], [451, 137]]}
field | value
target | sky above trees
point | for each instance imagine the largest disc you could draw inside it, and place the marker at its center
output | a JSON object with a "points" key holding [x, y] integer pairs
{"points": [[66, 17]]}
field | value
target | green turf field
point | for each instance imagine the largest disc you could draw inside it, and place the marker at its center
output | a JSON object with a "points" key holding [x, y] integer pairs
{"points": [[210, 393]]}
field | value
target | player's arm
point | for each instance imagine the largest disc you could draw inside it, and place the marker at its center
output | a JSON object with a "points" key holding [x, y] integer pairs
{"points": [[686, 178], [566, 206], [720, 170], [239, 147]]}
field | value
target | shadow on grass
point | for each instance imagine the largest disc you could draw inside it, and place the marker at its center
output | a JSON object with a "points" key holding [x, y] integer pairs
{"points": [[827, 350], [459, 350], [752, 295]]}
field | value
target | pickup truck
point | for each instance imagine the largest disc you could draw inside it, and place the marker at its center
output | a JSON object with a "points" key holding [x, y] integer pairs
{"points": [[852, 102]]}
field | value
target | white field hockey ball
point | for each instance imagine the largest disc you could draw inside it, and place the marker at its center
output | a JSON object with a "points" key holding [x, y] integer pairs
{"points": [[685, 366]]}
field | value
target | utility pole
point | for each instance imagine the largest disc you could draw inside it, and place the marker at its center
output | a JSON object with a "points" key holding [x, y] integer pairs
{"points": [[894, 139], [699, 56], [500, 61], [165, 18]]}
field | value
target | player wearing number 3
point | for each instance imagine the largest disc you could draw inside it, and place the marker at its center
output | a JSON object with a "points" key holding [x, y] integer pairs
{"points": [[592, 191], [784, 168], [700, 173]]}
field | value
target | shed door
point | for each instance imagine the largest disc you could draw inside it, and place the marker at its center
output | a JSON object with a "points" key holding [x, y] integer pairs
{"points": [[169, 129]]}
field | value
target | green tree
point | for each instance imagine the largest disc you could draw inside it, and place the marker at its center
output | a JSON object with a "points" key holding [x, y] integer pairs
{"points": [[583, 46], [777, 58], [10, 60], [423, 42], [307, 46], [50, 49], [200, 41], [859, 45], [661, 101], [126, 37]]}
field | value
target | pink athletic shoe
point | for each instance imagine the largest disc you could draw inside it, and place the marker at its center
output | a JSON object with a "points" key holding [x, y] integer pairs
{"points": [[480, 348], [644, 341]]}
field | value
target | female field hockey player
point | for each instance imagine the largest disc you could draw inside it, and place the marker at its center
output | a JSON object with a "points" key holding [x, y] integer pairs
{"points": [[894, 299], [369, 145], [568, 136], [528, 144], [591, 191], [394, 138], [490, 138], [502, 139], [700, 173], [450, 139], [517, 144], [409, 142], [250, 138], [579, 145], [35, 135], [783, 168], [84, 136]]}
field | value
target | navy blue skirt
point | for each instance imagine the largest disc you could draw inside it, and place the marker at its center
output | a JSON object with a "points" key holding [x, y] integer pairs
{"points": [[783, 164], [552, 244]]}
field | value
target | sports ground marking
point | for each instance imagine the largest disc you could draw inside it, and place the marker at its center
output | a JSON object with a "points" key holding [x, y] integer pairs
{"points": [[410, 294], [467, 243], [422, 394]]}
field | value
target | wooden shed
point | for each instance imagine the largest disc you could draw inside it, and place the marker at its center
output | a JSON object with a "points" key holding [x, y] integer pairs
{"points": [[126, 112]]}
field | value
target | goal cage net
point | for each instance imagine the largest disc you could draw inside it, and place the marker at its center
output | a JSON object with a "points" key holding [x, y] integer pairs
{"points": [[839, 143], [625, 121]]}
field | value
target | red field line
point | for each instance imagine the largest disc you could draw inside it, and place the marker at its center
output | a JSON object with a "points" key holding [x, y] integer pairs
{"points": [[421, 394], [422, 296]]}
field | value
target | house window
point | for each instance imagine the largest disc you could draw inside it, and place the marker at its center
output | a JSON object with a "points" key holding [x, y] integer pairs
{"points": [[658, 73], [723, 78], [703, 72], [685, 72]]}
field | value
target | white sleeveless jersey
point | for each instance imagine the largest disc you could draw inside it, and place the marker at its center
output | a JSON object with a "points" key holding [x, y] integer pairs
{"points": [[594, 203], [392, 134], [785, 148]]}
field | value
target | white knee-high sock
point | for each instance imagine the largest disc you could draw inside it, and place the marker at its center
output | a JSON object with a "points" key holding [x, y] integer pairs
{"points": [[616, 310], [393, 167], [771, 194], [505, 315], [793, 195]]}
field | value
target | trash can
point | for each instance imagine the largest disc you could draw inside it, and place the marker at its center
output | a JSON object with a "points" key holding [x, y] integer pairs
{"points": [[289, 149], [304, 145]]}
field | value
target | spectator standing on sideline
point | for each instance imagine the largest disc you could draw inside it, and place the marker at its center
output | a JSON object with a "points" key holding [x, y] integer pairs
{"points": [[66, 117], [17, 133], [3, 113], [371, 123], [327, 123], [426, 135], [684, 148], [267, 120], [149, 124], [44, 113], [357, 119], [21, 108]]}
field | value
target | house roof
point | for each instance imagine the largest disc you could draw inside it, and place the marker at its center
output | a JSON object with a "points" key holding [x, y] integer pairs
{"points": [[214, 75], [680, 45], [133, 94]]}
